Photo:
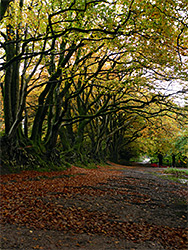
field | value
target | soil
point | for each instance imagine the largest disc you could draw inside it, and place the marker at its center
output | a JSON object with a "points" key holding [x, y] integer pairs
{"points": [[139, 198]]}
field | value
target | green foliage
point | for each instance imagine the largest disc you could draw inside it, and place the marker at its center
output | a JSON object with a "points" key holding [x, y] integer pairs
{"points": [[86, 76], [166, 136]]}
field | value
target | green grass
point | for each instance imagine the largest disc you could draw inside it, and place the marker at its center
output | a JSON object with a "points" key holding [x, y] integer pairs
{"points": [[176, 172], [173, 178]]}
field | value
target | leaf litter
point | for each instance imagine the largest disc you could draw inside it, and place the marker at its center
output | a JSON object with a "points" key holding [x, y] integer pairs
{"points": [[39, 201]]}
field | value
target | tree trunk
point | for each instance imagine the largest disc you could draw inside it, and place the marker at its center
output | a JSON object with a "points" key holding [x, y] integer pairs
{"points": [[11, 86], [160, 157], [4, 6], [173, 161]]}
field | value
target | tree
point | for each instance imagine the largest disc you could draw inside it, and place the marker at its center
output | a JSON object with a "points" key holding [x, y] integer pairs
{"points": [[164, 139], [4, 6], [86, 60]]}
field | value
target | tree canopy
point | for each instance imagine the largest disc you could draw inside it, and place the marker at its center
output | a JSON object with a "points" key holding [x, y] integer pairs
{"points": [[81, 79]]}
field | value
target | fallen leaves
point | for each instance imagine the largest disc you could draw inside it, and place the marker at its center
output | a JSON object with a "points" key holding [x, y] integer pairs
{"points": [[38, 201]]}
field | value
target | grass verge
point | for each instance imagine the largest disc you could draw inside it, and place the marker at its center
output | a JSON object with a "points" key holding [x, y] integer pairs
{"points": [[175, 174]]}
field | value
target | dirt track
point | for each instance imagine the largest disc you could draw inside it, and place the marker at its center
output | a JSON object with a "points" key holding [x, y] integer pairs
{"points": [[137, 199]]}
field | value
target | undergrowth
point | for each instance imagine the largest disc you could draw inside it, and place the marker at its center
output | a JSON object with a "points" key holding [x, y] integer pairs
{"points": [[177, 172]]}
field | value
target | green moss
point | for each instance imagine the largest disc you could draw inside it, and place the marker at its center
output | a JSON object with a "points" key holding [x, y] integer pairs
{"points": [[86, 165]]}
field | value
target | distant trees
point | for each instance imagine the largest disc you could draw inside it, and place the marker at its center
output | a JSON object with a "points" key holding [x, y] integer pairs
{"points": [[85, 75], [166, 141]]}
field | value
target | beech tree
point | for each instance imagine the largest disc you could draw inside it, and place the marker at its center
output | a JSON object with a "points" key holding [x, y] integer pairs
{"points": [[86, 60], [165, 140]]}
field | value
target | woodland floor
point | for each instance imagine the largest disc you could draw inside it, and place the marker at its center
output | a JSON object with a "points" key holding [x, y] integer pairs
{"points": [[114, 207]]}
